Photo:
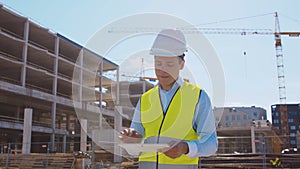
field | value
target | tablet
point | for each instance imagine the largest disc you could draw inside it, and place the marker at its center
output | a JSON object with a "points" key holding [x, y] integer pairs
{"points": [[135, 149]]}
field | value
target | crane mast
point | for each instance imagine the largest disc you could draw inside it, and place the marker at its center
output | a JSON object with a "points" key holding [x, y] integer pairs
{"points": [[279, 59], [284, 132]]}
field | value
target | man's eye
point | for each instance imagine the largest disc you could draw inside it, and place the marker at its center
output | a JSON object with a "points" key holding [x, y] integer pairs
{"points": [[170, 64]]}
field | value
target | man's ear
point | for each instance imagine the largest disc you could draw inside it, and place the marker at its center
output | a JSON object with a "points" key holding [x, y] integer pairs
{"points": [[182, 64]]}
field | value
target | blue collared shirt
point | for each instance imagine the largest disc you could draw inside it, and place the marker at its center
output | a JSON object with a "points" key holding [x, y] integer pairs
{"points": [[203, 122]]}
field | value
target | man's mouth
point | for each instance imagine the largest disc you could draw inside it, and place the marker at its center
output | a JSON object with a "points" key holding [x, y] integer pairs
{"points": [[163, 76]]}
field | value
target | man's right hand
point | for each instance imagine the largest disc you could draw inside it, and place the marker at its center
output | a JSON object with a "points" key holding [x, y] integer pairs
{"points": [[130, 136]]}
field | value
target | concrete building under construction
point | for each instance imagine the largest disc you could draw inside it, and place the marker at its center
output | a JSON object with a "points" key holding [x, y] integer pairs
{"points": [[53, 91]]}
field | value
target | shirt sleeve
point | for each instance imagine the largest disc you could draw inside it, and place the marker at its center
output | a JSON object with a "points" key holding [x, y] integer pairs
{"points": [[204, 125], [136, 120]]}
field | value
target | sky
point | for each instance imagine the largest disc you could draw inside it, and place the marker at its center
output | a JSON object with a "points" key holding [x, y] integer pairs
{"points": [[248, 63]]}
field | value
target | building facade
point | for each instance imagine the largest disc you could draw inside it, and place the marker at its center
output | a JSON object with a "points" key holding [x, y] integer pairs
{"points": [[245, 130], [238, 116], [292, 126]]}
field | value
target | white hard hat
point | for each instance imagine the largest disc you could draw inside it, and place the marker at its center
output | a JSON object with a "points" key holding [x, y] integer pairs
{"points": [[169, 42]]}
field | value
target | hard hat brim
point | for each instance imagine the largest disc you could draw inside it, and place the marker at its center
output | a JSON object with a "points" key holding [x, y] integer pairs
{"points": [[161, 52]]}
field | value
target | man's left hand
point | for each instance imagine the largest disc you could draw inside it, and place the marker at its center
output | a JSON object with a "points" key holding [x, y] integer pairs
{"points": [[176, 150]]}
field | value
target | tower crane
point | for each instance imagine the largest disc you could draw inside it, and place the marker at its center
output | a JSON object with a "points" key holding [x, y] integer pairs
{"points": [[241, 31], [280, 67]]}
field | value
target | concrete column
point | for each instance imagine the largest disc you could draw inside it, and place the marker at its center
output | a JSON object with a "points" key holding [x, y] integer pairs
{"points": [[100, 94], [80, 77], [253, 139], [93, 148], [118, 121], [27, 131], [118, 87], [100, 83], [24, 54], [53, 119], [83, 135], [55, 67], [118, 127]]}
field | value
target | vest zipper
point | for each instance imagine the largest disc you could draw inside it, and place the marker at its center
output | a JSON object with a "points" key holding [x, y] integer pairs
{"points": [[162, 122]]}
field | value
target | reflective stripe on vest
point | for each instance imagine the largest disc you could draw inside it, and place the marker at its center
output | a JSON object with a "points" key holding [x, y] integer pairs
{"points": [[176, 123]]}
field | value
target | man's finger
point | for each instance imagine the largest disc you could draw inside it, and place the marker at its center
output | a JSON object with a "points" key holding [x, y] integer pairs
{"points": [[162, 150], [133, 132], [173, 143]]}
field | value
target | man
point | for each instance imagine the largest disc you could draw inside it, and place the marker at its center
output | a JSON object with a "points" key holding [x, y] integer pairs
{"points": [[174, 112]]}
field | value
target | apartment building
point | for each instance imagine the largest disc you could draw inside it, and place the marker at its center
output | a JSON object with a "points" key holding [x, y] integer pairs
{"points": [[289, 122], [238, 116]]}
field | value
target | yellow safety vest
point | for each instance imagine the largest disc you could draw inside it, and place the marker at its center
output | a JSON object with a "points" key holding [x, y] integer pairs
{"points": [[176, 123]]}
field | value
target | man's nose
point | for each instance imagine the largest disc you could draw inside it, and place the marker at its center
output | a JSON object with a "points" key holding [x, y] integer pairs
{"points": [[163, 69]]}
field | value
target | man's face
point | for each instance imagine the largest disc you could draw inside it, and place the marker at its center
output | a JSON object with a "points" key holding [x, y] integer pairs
{"points": [[167, 69]]}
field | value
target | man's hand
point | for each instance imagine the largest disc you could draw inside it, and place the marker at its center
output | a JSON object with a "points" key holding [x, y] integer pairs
{"points": [[130, 136], [176, 149]]}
